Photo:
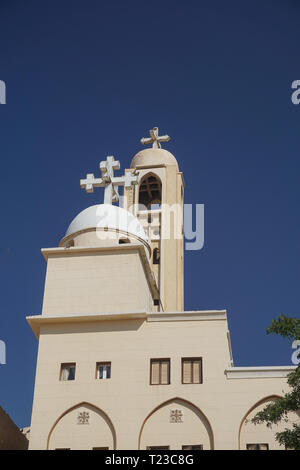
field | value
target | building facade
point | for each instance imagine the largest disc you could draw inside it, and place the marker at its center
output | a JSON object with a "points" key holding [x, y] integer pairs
{"points": [[120, 364]]}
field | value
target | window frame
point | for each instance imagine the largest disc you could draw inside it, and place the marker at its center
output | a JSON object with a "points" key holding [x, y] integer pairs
{"points": [[258, 445], [103, 363], [65, 364], [160, 359], [192, 446], [158, 448], [192, 359]]}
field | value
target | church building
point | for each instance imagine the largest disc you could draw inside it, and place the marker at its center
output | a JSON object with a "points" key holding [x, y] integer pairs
{"points": [[121, 364]]}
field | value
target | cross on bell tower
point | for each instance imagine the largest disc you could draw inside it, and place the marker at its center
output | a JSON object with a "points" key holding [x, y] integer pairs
{"points": [[155, 139]]}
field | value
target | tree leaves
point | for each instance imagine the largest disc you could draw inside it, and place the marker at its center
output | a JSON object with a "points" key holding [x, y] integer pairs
{"points": [[277, 411]]}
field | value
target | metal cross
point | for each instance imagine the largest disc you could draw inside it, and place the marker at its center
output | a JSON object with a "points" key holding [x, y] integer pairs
{"points": [[155, 139], [108, 180]]}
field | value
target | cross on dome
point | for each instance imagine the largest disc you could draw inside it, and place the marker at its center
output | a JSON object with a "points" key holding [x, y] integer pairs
{"points": [[155, 139], [108, 180]]}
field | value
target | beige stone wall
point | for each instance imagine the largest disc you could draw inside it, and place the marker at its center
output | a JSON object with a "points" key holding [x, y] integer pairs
{"points": [[11, 437], [95, 282], [138, 411]]}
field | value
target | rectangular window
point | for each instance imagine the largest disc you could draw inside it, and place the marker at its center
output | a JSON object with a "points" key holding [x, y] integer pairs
{"points": [[103, 370], [193, 447], [100, 448], [158, 447], [67, 371], [191, 370], [257, 446], [160, 371]]}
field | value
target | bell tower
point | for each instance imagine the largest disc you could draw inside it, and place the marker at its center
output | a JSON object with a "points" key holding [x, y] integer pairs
{"points": [[157, 201]]}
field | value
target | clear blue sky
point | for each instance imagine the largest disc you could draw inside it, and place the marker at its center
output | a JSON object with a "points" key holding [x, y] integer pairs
{"points": [[86, 79]]}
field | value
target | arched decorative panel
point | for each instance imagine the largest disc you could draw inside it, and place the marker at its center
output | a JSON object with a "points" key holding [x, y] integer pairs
{"points": [[259, 436], [176, 423], [82, 427]]}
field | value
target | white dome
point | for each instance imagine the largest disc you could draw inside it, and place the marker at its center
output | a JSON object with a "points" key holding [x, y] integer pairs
{"points": [[107, 216]]}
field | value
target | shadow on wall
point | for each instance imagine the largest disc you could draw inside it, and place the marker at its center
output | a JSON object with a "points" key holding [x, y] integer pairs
{"points": [[105, 326], [11, 438]]}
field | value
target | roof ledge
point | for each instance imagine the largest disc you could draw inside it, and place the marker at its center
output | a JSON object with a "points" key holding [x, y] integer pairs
{"points": [[261, 372]]}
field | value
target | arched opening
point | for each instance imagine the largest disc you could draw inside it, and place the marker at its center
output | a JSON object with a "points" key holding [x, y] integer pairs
{"points": [[176, 424], [259, 436], [82, 427], [150, 191]]}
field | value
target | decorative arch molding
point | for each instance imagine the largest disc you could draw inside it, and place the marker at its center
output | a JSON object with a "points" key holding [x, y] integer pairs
{"points": [[258, 403], [97, 409], [187, 403]]}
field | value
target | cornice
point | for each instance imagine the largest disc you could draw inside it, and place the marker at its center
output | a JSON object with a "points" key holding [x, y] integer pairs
{"points": [[262, 372], [37, 321]]}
